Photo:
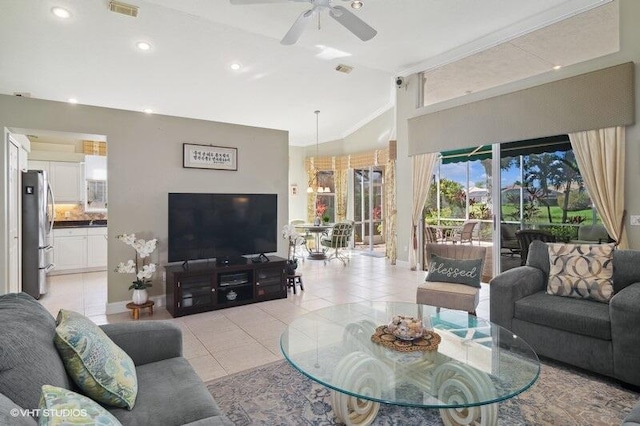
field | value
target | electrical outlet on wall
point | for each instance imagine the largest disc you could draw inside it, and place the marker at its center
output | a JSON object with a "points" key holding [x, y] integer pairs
{"points": [[635, 220], [67, 215]]}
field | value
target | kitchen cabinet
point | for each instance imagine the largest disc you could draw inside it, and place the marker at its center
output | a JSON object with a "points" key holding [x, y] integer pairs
{"points": [[95, 191], [39, 165], [66, 179], [96, 247], [69, 249], [66, 182], [77, 249]]}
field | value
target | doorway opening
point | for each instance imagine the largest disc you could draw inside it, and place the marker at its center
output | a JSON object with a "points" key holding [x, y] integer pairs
{"points": [[368, 205]]}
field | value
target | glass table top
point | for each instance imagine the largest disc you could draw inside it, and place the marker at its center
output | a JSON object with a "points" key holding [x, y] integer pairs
{"points": [[476, 362]]}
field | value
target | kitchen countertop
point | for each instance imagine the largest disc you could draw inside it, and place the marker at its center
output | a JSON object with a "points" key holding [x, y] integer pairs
{"points": [[80, 223]]}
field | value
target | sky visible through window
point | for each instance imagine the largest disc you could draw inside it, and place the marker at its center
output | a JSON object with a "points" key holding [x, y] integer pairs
{"points": [[457, 172]]}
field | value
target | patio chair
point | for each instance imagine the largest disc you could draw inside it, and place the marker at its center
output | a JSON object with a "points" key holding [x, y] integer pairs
{"points": [[527, 236], [430, 234], [463, 234], [593, 234], [508, 239], [338, 242]]}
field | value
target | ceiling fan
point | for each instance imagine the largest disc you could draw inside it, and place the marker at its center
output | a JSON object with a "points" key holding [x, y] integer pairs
{"points": [[343, 16]]}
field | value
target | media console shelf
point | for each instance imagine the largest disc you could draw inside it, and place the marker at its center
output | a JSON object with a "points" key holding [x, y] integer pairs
{"points": [[205, 286]]}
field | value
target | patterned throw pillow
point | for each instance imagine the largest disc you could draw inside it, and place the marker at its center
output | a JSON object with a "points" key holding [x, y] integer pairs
{"points": [[582, 271], [103, 371], [444, 269], [64, 407]]}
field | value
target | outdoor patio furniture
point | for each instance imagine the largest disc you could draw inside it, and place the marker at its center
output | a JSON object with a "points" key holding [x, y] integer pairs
{"points": [[526, 236], [508, 239], [463, 234]]}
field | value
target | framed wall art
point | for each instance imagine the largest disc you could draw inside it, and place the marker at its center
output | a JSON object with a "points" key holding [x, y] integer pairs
{"points": [[209, 157]]}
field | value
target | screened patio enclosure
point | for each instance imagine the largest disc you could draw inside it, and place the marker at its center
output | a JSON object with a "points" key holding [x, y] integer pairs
{"points": [[533, 184]]}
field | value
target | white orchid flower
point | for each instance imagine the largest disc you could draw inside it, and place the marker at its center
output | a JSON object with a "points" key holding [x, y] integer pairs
{"points": [[126, 268], [146, 272], [143, 249]]}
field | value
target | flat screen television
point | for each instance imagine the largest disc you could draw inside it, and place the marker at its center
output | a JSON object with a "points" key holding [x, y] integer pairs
{"points": [[207, 226]]}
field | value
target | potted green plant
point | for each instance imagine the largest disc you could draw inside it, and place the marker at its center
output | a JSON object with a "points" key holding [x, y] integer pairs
{"points": [[141, 266], [325, 219]]}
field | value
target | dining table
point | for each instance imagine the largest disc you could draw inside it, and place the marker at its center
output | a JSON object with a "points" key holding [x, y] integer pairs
{"points": [[317, 252]]}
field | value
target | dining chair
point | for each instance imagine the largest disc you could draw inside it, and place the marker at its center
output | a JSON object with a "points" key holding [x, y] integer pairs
{"points": [[305, 234], [338, 242]]}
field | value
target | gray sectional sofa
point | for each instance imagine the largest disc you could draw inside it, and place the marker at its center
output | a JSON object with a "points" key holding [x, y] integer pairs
{"points": [[599, 337], [633, 418], [169, 391]]}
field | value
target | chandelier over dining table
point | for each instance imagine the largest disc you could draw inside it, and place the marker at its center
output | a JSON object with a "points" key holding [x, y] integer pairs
{"points": [[314, 184]]}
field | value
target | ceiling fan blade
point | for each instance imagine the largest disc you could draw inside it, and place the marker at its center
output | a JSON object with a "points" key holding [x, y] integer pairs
{"points": [[297, 28], [241, 2], [351, 22]]}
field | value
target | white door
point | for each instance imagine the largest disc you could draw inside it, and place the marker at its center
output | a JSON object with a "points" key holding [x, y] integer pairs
{"points": [[15, 258]]}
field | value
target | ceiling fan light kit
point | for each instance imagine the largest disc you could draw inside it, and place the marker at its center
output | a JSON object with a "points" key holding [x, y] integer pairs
{"points": [[343, 16]]}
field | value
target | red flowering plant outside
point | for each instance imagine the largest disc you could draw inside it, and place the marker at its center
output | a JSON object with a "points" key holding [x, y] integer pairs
{"points": [[320, 208]]}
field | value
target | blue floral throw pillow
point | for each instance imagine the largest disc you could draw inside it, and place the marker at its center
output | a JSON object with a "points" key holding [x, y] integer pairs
{"points": [[99, 367], [64, 407], [443, 269]]}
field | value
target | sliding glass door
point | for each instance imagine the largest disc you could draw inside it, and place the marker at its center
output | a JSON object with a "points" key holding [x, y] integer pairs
{"points": [[368, 203]]}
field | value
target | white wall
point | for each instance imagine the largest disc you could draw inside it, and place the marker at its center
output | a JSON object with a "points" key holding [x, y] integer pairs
{"points": [[629, 51], [145, 164], [376, 134]]}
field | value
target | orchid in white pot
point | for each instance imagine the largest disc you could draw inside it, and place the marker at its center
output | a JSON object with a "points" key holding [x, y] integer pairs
{"points": [[290, 233], [141, 266]]}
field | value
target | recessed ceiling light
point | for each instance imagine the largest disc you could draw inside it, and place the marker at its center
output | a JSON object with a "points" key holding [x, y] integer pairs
{"points": [[148, 111], [557, 67], [61, 12], [73, 101], [235, 66], [143, 45], [356, 4]]}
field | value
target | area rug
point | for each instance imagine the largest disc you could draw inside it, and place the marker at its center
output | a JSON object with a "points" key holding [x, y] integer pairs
{"points": [[276, 394]]}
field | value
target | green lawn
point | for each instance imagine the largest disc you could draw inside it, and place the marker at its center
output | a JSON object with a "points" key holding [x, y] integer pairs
{"points": [[556, 214]]}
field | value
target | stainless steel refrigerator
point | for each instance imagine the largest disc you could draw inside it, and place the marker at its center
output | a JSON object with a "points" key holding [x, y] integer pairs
{"points": [[37, 223]]}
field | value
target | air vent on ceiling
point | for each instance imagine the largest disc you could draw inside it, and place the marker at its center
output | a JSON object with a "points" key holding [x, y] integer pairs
{"points": [[344, 68], [22, 94], [123, 8]]}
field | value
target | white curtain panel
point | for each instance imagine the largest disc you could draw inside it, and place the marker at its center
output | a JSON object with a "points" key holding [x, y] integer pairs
{"points": [[422, 167], [600, 156]]}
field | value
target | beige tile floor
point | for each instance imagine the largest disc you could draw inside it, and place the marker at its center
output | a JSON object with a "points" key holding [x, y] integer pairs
{"points": [[229, 340]]}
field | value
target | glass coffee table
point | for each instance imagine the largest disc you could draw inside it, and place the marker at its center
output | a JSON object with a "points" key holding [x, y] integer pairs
{"points": [[476, 365]]}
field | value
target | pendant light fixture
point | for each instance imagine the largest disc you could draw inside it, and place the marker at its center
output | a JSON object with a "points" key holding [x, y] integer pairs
{"points": [[318, 188]]}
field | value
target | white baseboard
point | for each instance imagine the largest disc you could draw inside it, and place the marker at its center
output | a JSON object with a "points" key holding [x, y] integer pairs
{"points": [[119, 307]]}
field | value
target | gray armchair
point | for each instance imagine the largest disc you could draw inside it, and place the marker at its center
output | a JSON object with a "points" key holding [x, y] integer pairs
{"points": [[603, 338]]}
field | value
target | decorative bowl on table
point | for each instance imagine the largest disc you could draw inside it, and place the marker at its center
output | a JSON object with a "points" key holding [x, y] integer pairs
{"points": [[405, 327]]}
